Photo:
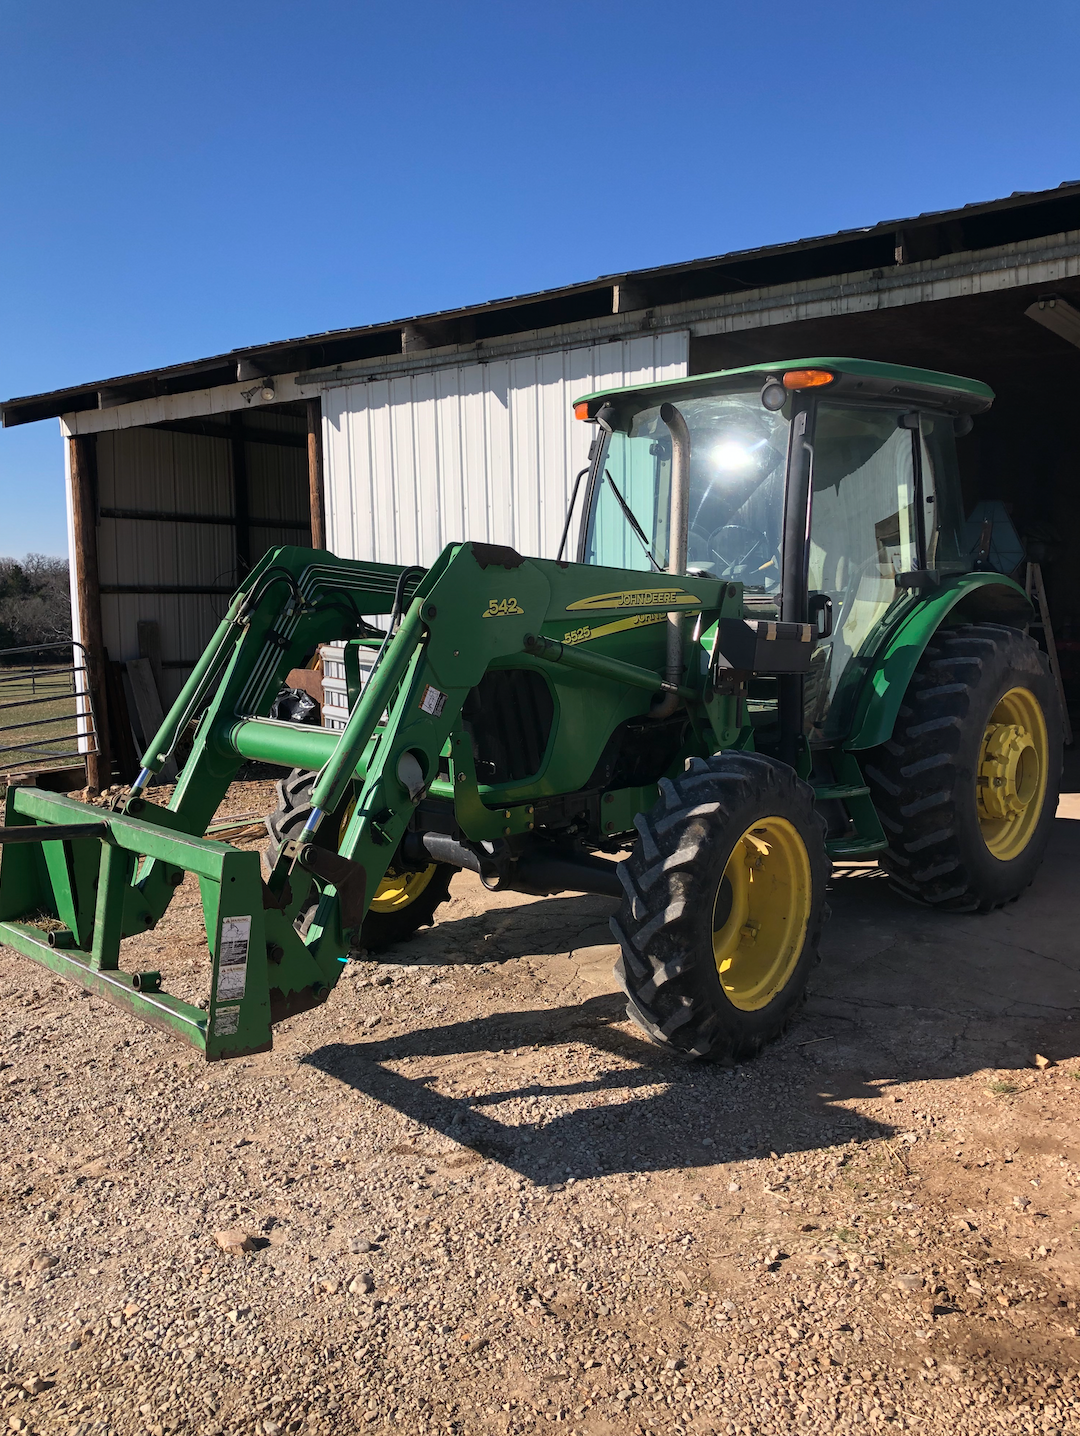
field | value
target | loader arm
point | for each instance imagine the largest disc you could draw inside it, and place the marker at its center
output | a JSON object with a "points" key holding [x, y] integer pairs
{"points": [[276, 946]]}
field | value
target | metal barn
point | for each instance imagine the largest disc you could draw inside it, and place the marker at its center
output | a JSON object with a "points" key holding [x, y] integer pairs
{"points": [[388, 441]]}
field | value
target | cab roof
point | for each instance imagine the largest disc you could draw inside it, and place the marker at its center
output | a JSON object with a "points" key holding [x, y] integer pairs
{"points": [[854, 378]]}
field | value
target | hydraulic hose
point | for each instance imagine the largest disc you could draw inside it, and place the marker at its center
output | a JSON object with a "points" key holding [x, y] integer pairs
{"points": [[678, 519], [415, 572]]}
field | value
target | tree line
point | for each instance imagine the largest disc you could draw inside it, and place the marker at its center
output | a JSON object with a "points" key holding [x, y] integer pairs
{"points": [[35, 601]]}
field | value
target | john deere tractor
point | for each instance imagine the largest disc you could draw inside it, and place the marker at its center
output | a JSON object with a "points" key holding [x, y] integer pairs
{"points": [[772, 652]]}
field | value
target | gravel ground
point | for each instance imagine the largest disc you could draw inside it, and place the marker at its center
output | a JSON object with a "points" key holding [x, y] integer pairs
{"points": [[474, 1200]]}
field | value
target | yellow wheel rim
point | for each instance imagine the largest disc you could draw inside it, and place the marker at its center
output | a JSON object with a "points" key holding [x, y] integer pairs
{"points": [[761, 912], [397, 890], [1011, 781]]}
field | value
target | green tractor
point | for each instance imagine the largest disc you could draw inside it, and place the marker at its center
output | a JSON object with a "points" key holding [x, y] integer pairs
{"points": [[772, 652]]}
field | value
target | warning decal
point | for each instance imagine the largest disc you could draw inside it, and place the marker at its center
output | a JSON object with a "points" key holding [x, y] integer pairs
{"points": [[226, 1021], [232, 959], [433, 701]]}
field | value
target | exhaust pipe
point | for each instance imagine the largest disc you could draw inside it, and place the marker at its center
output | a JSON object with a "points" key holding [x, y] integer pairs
{"points": [[424, 848], [678, 519]]}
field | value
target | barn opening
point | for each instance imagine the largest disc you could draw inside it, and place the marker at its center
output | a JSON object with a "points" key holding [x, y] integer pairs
{"points": [[184, 508]]}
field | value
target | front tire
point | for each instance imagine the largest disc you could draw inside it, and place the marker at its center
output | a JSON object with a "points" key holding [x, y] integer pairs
{"points": [[724, 906], [404, 901], [967, 786]]}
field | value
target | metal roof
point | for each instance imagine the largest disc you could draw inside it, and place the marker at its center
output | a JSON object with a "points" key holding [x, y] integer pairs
{"points": [[1021, 215]]}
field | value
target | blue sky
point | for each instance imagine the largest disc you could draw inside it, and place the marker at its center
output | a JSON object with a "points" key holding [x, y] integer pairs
{"points": [[181, 180]]}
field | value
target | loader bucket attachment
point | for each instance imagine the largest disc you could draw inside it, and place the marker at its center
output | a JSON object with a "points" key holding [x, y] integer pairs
{"points": [[67, 896]]}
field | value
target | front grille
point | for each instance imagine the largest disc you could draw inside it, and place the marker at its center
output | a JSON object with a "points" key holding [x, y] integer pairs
{"points": [[508, 715]]}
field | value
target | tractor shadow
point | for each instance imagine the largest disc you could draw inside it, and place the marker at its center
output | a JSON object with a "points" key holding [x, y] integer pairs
{"points": [[902, 995], [542, 927]]}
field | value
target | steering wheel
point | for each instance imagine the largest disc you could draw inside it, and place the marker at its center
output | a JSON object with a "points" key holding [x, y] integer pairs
{"points": [[737, 552]]}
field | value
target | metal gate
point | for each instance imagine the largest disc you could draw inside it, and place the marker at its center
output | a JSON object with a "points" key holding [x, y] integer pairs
{"points": [[47, 719]]}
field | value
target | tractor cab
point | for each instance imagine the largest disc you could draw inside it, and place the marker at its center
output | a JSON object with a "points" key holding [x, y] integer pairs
{"points": [[828, 488]]}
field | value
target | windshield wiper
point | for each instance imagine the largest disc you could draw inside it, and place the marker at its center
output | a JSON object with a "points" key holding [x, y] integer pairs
{"points": [[628, 514]]}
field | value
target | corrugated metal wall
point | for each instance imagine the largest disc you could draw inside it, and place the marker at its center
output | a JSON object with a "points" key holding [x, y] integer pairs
{"points": [[484, 451], [157, 470], [477, 450]]}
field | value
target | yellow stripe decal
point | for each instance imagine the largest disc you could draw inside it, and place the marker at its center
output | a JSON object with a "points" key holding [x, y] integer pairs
{"points": [[585, 634], [637, 598]]}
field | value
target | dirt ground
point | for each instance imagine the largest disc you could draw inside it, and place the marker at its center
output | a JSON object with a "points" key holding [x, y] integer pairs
{"points": [[479, 1202]]}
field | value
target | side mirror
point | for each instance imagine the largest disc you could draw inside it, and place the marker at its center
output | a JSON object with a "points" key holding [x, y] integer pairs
{"points": [[819, 610]]}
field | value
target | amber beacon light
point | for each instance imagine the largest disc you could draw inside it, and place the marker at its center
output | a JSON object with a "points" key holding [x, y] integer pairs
{"points": [[807, 378]]}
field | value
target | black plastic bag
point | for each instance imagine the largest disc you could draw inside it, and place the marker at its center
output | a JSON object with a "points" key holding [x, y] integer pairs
{"points": [[293, 705]]}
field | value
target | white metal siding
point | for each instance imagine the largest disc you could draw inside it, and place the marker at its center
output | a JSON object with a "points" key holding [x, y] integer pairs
{"points": [[484, 451]]}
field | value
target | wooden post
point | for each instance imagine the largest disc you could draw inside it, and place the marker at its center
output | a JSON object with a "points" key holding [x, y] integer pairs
{"points": [[315, 472], [148, 631], [88, 592], [241, 500]]}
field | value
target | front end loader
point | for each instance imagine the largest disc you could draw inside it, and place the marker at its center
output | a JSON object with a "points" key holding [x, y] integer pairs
{"points": [[771, 653]]}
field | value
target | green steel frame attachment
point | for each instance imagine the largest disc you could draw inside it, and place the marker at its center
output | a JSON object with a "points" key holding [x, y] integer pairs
{"points": [[76, 881]]}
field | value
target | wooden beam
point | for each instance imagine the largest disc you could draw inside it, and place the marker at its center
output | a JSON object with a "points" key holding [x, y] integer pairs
{"points": [[81, 452], [315, 472], [148, 709], [208, 429], [148, 632], [250, 369], [123, 739], [240, 495], [173, 588], [171, 516], [627, 296], [113, 398]]}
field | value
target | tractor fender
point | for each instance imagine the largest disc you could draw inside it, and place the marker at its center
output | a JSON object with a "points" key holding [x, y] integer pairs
{"points": [[891, 656]]}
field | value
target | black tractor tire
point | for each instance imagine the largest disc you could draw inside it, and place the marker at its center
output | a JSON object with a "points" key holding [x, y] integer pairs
{"points": [[925, 781], [676, 905], [380, 929], [287, 820]]}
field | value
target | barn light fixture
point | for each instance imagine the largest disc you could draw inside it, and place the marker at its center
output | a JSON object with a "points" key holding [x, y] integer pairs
{"points": [[1057, 314], [264, 388]]}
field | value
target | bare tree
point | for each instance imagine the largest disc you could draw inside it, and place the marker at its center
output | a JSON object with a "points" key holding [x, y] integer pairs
{"points": [[35, 601]]}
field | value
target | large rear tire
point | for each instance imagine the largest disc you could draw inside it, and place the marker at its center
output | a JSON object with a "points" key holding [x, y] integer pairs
{"points": [[403, 903], [967, 786], [724, 906]]}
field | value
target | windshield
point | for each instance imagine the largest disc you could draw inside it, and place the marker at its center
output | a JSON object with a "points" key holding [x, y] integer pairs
{"points": [[737, 460]]}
